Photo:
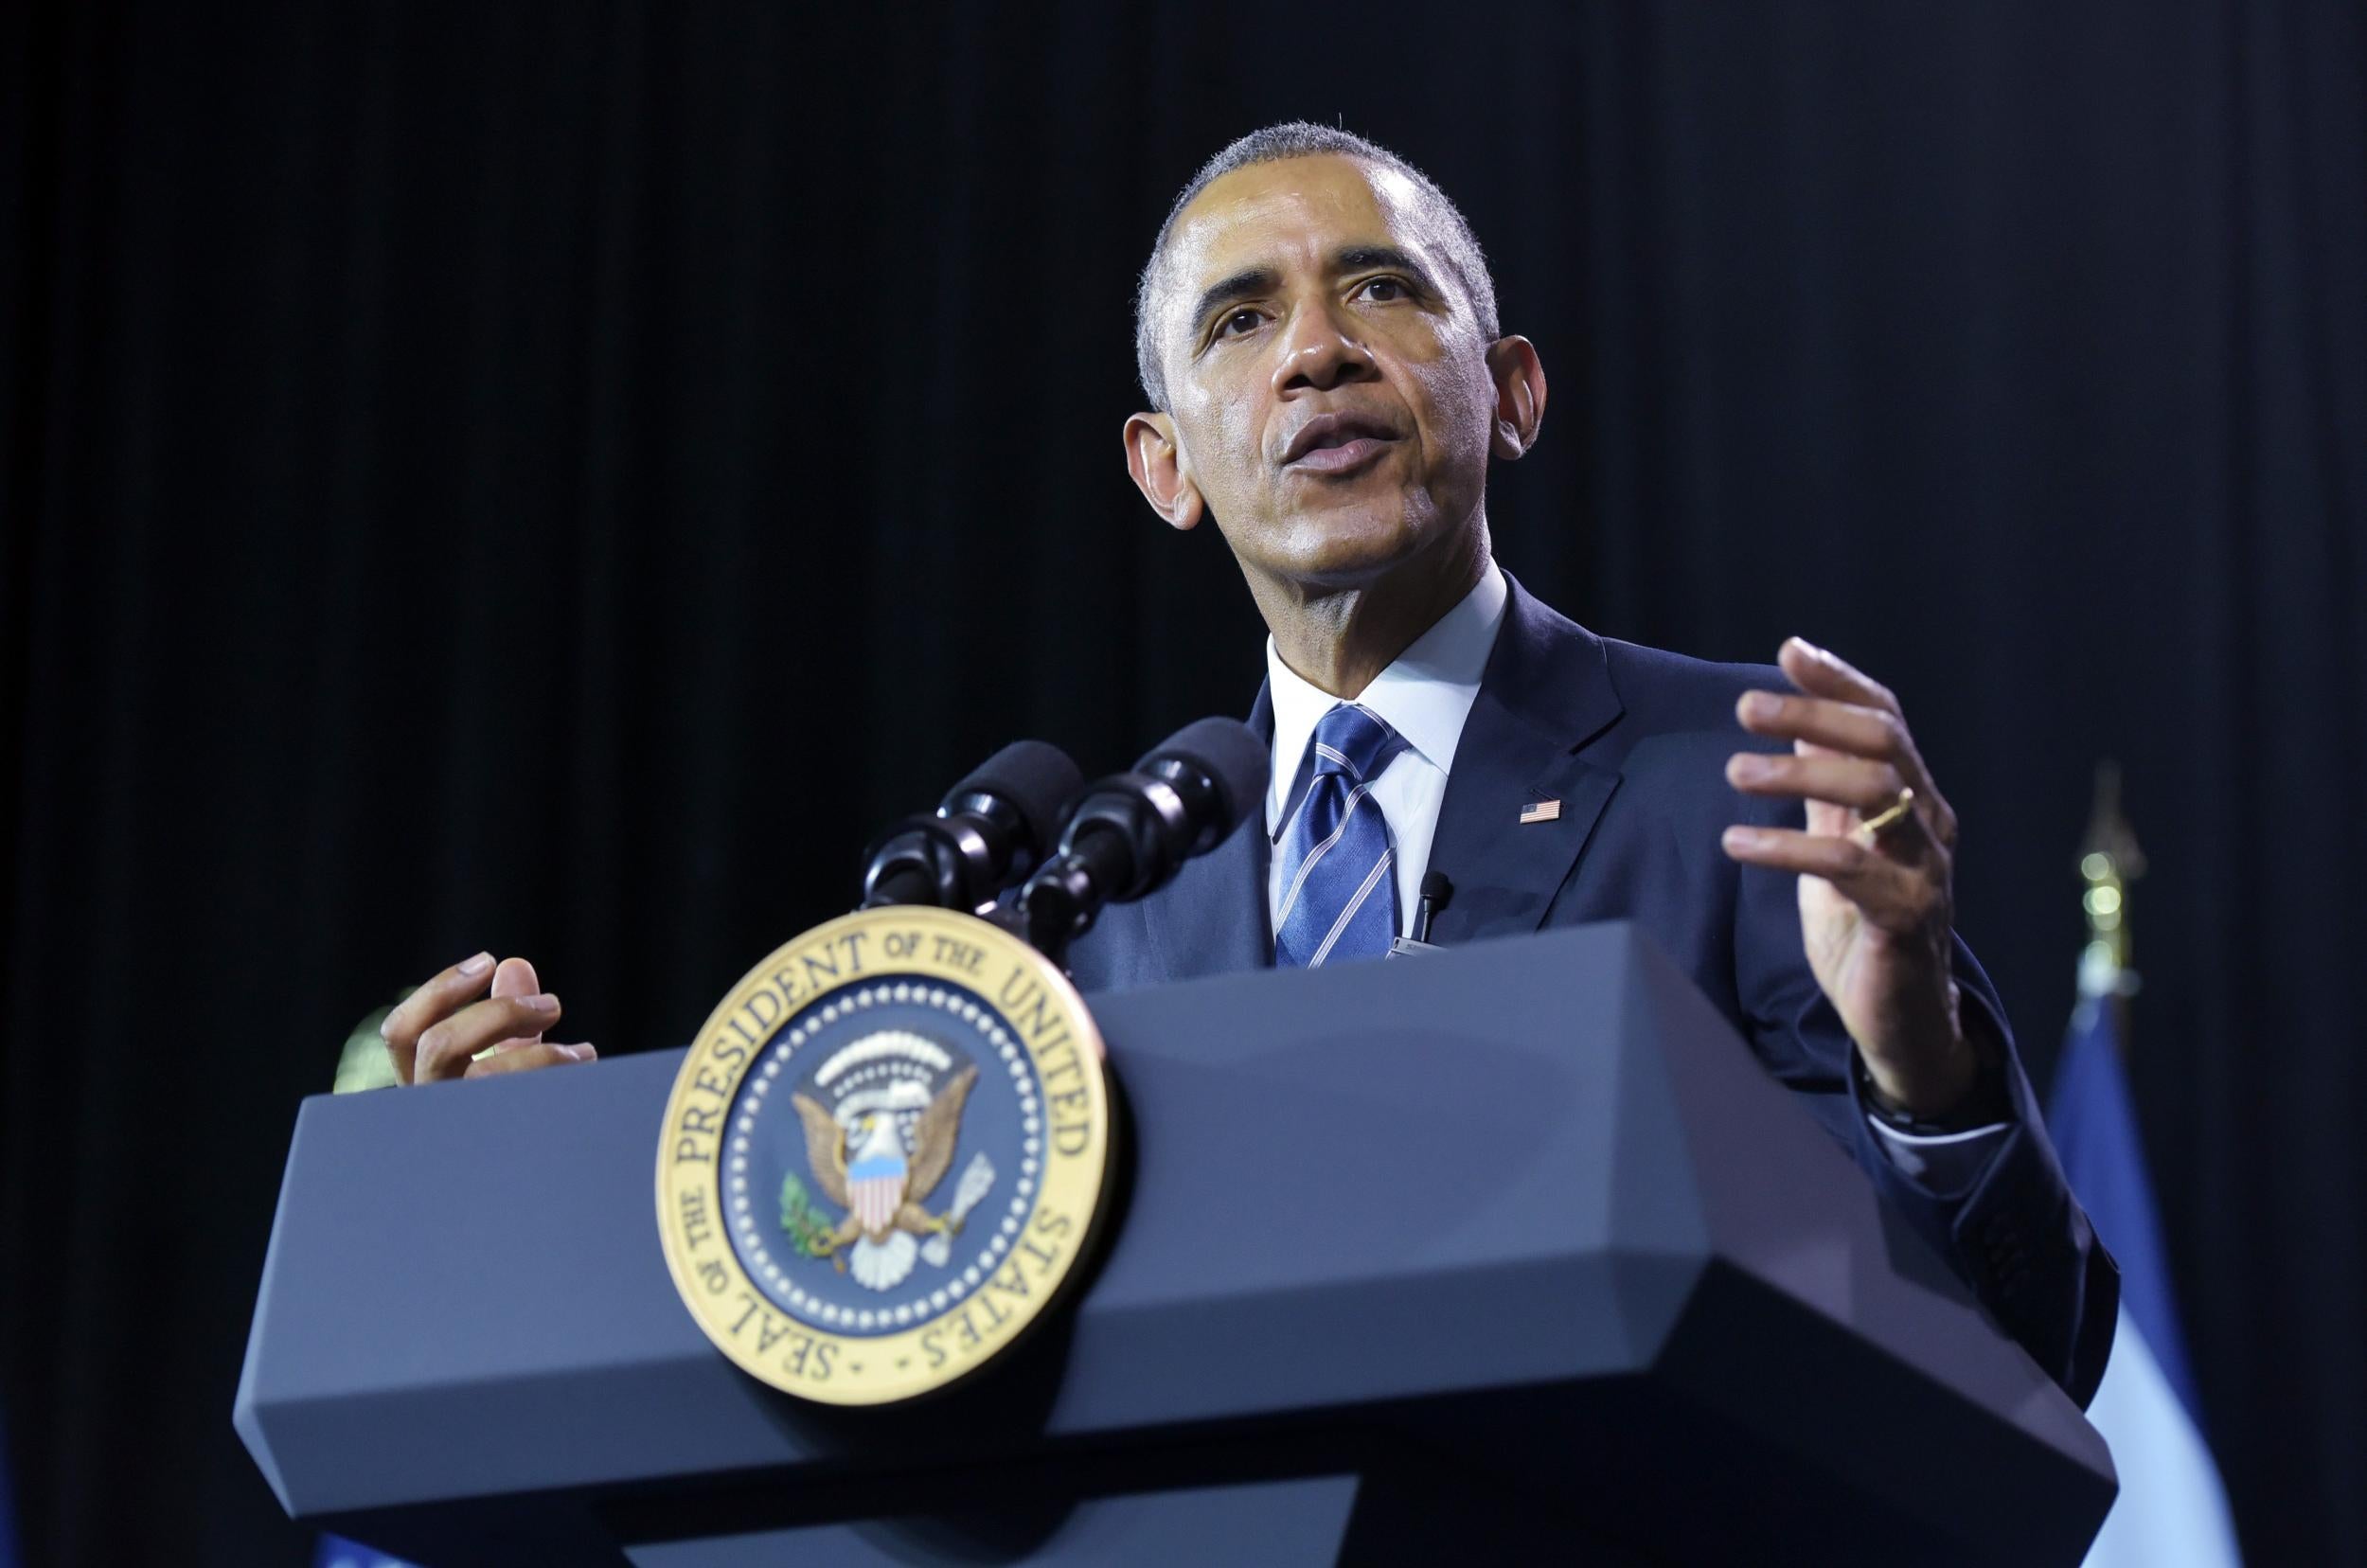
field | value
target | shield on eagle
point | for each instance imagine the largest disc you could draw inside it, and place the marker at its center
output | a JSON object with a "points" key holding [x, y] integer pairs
{"points": [[875, 1177]]}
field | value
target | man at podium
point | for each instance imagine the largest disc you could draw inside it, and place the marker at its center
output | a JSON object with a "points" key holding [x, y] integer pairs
{"points": [[1317, 337]]}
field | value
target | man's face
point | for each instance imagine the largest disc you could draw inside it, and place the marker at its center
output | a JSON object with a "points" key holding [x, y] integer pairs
{"points": [[1326, 374]]}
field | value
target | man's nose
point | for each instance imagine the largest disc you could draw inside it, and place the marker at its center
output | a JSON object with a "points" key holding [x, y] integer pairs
{"points": [[1319, 351]]}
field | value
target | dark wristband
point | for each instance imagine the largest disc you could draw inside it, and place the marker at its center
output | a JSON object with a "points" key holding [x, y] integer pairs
{"points": [[1984, 1105]]}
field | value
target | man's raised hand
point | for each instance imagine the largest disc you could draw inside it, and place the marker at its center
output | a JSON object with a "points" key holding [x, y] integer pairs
{"points": [[1876, 888], [437, 1030]]}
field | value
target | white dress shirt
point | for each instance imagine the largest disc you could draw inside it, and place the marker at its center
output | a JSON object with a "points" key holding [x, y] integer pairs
{"points": [[1426, 695]]}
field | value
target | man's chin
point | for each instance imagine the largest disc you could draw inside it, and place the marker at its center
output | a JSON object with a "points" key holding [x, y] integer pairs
{"points": [[1345, 546]]}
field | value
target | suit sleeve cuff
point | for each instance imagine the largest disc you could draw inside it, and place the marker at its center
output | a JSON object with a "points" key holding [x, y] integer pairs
{"points": [[1940, 1162]]}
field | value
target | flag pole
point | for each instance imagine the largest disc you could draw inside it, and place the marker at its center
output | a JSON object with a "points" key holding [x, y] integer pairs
{"points": [[2173, 1505]]}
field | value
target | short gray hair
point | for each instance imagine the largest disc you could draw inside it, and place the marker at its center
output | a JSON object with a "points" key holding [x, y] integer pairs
{"points": [[1301, 139]]}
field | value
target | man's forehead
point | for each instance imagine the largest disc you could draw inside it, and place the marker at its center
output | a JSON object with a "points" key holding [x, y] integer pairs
{"points": [[1295, 210]]}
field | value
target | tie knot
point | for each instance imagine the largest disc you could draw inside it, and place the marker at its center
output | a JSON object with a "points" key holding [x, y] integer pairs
{"points": [[1354, 742]]}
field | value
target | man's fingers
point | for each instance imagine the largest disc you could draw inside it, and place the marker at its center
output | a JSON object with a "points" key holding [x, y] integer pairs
{"points": [[444, 1048], [1896, 897], [429, 1003], [1821, 673], [1859, 782], [1851, 729], [524, 1057], [1848, 727], [516, 977]]}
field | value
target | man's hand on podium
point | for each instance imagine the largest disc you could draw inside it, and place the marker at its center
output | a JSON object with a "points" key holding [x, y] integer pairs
{"points": [[438, 1030]]}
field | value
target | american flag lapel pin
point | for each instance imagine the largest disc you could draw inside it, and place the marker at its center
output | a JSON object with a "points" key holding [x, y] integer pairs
{"points": [[1543, 810]]}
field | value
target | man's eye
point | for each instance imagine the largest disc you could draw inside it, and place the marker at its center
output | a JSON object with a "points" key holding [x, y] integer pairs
{"points": [[1383, 289], [1245, 320]]}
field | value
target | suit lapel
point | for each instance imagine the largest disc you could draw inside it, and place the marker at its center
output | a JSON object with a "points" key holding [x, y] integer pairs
{"points": [[1212, 918], [1546, 692]]}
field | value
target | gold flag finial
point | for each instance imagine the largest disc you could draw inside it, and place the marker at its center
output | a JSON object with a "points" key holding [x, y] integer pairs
{"points": [[2109, 859]]}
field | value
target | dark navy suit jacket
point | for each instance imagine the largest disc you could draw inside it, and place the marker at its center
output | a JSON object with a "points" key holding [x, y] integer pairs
{"points": [[1633, 743]]}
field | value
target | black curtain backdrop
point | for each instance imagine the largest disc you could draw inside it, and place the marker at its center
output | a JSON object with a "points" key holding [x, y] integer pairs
{"points": [[556, 477]]}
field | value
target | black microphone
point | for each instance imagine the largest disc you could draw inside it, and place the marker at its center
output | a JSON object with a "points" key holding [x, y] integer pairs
{"points": [[1134, 831], [1432, 898], [1435, 893], [991, 830]]}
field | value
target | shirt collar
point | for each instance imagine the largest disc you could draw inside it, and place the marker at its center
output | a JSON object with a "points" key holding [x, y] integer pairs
{"points": [[1425, 694]]}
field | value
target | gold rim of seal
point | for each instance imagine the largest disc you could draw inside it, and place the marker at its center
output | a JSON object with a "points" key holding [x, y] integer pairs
{"points": [[853, 952]]}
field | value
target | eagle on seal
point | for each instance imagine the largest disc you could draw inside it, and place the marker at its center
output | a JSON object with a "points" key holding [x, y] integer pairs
{"points": [[881, 1189]]}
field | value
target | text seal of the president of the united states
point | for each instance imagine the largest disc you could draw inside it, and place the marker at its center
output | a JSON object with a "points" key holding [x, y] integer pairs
{"points": [[884, 1155]]}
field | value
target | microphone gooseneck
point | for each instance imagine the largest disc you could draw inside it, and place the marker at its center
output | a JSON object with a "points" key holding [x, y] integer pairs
{"points": [[991, 830], [1133, 832]]}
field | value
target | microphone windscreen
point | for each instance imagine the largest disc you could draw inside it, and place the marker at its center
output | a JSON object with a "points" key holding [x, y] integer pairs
{"points": [[1036, 778], [1232, 757]]}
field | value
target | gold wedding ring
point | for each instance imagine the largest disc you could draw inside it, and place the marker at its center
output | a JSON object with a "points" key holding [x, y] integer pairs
{"points": [[1872, 827]]}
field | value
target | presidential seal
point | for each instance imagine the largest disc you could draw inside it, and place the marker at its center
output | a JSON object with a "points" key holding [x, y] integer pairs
{"points": [[883, 1156]]}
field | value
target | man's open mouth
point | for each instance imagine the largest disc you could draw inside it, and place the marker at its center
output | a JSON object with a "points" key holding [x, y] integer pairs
{"points": [[1332, 443]]}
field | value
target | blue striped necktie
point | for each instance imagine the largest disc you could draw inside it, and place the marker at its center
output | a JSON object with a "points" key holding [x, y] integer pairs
{"points": [[1339, 882]]}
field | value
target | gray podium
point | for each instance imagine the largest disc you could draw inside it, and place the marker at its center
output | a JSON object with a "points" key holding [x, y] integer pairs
{"points": [[1514, 1247]]}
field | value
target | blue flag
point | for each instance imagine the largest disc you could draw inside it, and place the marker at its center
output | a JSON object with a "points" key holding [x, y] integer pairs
{"points": [[337, 1552], [2172, 1510]]}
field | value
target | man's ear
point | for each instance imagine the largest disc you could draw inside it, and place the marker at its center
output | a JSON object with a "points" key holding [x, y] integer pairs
{"points": [[1156, 463], [1520, 378]]}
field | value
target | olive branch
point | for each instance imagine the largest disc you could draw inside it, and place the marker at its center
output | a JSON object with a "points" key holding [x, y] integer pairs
{"points": [[804, 1224]]}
